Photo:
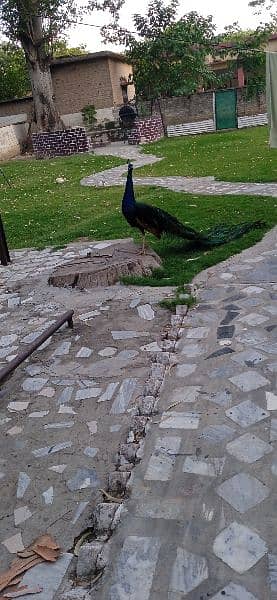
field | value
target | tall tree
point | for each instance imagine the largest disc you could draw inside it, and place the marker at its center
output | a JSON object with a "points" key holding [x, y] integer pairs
{"points": [[168, 55], [14, 76], [36, 24]]}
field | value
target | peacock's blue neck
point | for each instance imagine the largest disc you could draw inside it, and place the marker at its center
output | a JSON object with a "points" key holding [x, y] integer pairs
{"points": [[128, 201]]}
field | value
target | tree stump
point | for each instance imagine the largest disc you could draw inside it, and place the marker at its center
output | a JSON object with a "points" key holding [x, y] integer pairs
{"points": [[105, 266]]}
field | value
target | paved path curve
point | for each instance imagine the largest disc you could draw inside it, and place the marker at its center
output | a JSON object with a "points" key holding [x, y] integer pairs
{"points": [[193, 185]]}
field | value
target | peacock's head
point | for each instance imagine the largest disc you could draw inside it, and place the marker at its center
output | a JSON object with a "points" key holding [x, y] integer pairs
{"points": [[130, 167]]}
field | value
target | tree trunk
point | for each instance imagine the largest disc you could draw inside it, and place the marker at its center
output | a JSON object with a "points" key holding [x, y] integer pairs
{"points": [[38, 61], [46, 114]]}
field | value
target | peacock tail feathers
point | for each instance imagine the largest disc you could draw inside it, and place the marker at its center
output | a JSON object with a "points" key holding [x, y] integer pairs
{"points": [[222, 234]]}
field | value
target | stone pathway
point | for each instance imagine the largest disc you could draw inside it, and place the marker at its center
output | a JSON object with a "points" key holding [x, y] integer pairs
{"points": [[201, 519], [65, 411], [192, 185]]}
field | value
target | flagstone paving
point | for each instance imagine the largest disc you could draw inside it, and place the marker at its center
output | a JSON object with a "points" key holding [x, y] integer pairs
{"points": [[192, 185], [201, 519], [65, 410]]}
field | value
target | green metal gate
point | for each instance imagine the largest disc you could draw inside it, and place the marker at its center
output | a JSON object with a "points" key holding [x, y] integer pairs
{"points": [[226, 109]]}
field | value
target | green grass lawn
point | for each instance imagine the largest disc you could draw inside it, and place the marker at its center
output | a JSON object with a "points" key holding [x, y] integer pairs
{"points": [[38, 212], [240, 155]]}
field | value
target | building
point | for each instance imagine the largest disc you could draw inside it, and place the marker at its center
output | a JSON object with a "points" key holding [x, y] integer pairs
{"points": [[77, 82]]}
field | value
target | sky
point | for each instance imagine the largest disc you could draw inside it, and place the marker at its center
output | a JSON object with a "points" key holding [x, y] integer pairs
{"points": [[224, 13]]}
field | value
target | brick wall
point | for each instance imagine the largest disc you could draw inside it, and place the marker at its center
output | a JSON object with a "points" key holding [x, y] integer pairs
{"points": [[60, 143], [198, 107], [149, 129], [255, 106], [78, 84]]}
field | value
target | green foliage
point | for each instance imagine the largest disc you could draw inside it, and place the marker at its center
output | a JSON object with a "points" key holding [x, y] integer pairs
{"points": [[170, 59], [246, 48], [89, 114], [14, 79]]}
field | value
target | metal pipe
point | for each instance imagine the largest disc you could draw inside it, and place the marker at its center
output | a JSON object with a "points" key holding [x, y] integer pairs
{"points": [[38, 342], [4, 251]]}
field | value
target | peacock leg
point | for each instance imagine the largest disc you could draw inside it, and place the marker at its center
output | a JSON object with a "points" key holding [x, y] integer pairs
{"points": [[142, 251]]}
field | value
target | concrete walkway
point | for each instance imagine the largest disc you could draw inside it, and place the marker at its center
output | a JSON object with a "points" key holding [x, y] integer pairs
{"points": [[201, 519], [192, 185], [65, 410]]}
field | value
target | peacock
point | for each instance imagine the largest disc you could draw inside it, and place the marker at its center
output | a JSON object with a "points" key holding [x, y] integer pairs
{"points": [[158, 222]]}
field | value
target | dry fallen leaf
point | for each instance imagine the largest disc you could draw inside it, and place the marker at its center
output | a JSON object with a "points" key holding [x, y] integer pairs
{"points": [[24, 590]]}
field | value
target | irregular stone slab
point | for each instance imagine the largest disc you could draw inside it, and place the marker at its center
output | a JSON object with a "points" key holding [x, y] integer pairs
{"points": [[21, 514], [192, 350], [38, 414], [83, 478], [185, 394], [239, 547], [92, 427], [249, 381], [47, 392], [124, 396], [272, 566], [145, 311], [47, 575], [105, 267], [91, 452], [84, 352], [127, 335], [17, 406], [253, 319], [197, 333], [273, 430], [247, 413], [79, 510], [160, 509], [162, 460], [65, 395], [48, 495], [7, 340], [248, 448], [15, 430], [14, 543], [243, 491], [223, 398], [189, 571], [62, 425], [107, 352], [152, 347], [23, 483], [271, 400], [210, 467], [57, 468], [184, 370], [135, 569], [90, 315], [34, 384], [108, 394], [62, 349], [215, 434], [51, 449], [85, 394], [178, 420], [233, 591], [249, 357], [68, 410]]}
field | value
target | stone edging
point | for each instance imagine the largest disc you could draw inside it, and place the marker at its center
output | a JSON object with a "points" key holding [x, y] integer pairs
{"points": [[94, 556]]}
